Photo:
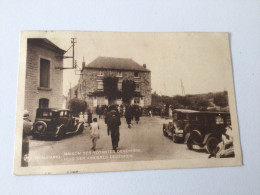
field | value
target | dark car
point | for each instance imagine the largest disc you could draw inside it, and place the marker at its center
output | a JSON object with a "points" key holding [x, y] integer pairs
{"points": [[205, 130], [55, 123], [177, 126]]}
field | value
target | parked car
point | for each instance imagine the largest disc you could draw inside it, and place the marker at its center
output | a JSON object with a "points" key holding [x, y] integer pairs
{"points": [[205, 130], [177, 126], [55, 123]]}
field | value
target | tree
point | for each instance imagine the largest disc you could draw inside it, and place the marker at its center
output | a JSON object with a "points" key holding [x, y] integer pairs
{"points": [[110, 87], [128, 90], [76, 106], [221, 99]]}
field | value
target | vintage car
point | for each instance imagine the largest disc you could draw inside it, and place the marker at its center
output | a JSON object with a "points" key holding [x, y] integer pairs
{"points": [[176, 127], [55, 123], [205, 130]]}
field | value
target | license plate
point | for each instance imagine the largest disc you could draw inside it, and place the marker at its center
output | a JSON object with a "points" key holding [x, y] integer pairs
{"points": [[179, 135], [196, 147]]}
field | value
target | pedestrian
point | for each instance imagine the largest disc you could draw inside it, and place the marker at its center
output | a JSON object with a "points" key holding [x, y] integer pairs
{"points": [[81, 117], [150, 113], [137, 114], [89, 117], [27, 127], [113, 123], [128, 116], [94, 133]]}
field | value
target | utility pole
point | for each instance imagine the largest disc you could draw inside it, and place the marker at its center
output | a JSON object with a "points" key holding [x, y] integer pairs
{"points": [[73, 41], [70, 90], [182, 89]]}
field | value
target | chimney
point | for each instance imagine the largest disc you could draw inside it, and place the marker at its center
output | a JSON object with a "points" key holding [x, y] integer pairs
{"points": [[144, 65]]}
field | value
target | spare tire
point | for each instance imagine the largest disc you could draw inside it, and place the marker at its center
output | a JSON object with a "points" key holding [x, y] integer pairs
{"points": [[196, 136], [40, 127]]}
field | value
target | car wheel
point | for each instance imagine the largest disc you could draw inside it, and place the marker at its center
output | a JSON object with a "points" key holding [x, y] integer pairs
{"points": [[196, 136], [81, 128], [164, 131], [174, 139], [189, 144], [211, 145]]}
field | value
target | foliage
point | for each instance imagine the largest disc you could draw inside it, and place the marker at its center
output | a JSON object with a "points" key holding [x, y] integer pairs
{"points": [[76, 106], [110, 87], [194, 102], [128, 90], [221, 99]]}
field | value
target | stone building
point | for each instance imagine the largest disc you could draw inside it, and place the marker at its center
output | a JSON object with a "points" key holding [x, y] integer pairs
{"points": [[43, 82], [91, 89]]}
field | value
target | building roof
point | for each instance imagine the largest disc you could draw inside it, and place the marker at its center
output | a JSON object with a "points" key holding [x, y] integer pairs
{"points": [[42, 42], [112, 63]]}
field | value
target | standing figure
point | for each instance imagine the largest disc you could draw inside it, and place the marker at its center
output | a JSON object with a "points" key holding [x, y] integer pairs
{"points": [[27, 127], [150, 113], [94, 133], [137, 114], [89, 117], [113, 123], [128, 116]]}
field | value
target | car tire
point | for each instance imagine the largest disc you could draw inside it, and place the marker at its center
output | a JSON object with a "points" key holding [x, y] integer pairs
{"points": [[189, 144], [211, 145], [196, 136], [164, 131]]}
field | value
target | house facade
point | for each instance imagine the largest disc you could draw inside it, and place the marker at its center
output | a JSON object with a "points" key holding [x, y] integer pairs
{"points": [[91, 87], [43, 82]]}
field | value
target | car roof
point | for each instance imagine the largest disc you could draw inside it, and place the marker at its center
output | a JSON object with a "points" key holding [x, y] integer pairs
{"points": [[185, 111], [53, 109], [212, 113]]}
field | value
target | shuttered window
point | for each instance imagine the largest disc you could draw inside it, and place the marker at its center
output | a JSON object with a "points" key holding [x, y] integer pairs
{"points": [[44, 73]]}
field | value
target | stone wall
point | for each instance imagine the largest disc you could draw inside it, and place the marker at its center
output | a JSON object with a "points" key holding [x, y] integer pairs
{"points": [[32, 91], [90, 77]]}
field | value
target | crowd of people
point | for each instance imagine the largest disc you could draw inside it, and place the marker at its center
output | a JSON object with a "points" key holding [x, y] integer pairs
{"points": [[112, 116]]}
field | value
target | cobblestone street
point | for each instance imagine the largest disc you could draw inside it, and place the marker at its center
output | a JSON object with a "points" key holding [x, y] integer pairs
{"points": [[144, 141]]}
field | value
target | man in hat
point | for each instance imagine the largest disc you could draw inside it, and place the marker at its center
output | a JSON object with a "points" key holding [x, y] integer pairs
{"points": [[113, 123], [27, 127]]}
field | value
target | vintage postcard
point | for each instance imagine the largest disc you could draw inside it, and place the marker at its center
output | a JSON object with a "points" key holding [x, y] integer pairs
{"points": [[117, 101]]}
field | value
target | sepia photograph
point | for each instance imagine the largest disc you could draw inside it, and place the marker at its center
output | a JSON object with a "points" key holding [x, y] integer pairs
{"points": [[117, 101]]}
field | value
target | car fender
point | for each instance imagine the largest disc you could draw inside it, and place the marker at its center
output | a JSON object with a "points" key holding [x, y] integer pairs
{"points": [[186, 138], [58, 130], [78, 126], [207, 137]]}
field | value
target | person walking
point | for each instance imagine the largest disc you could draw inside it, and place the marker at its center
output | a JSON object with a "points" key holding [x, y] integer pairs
{"points": [[89, 117], [113, 123], [27, 127], [128, 116], [137, 114], [94, 127]]}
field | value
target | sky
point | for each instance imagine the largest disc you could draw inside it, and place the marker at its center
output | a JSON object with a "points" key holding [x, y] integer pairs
{"points": [[200, 60]]}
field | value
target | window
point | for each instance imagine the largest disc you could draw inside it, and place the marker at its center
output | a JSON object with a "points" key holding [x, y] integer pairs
{"points": [[101, 73], [44, 73], [119, 74], [43, 103], [136, 74], [119, 85], [100, 85], [137, 87], [137, 100]]}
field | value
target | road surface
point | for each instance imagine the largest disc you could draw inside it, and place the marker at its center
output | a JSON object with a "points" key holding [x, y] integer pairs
{"points": [[142, 142]]}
